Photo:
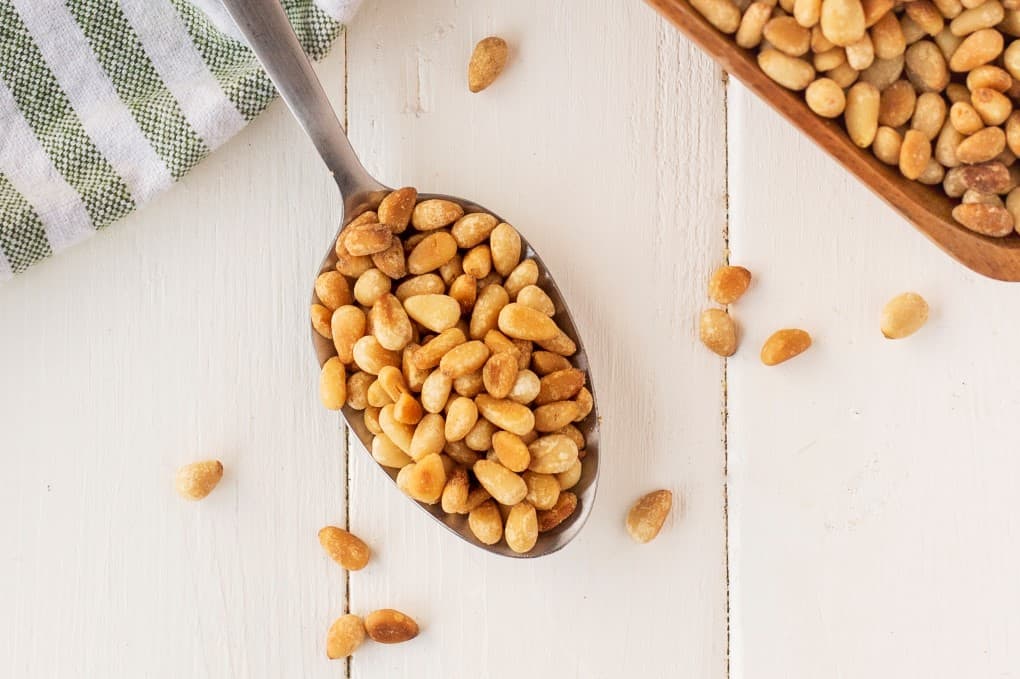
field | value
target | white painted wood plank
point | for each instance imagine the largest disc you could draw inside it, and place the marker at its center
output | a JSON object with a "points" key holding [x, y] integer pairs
{"points": [[873, 483], [177, 335], [603, 142]]}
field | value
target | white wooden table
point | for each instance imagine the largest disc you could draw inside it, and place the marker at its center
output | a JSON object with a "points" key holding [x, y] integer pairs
{"points": [[849, 514]]}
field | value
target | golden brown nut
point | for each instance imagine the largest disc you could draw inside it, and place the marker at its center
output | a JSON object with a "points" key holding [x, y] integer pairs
{"points": [[487, 61], [345, 548], [389, 626], [196, 480], [645, 519], [344, 637], [783, 345]]}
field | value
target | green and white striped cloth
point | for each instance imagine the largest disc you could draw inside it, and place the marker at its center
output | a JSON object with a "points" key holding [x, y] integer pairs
{"points": [[105, 103]]}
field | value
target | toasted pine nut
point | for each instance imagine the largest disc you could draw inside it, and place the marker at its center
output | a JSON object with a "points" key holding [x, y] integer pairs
{"points": [[886, 146], [914, 154], [722, 14], [790, 72], [842, 21], [861, 114], [929, 114], [980, 47]]}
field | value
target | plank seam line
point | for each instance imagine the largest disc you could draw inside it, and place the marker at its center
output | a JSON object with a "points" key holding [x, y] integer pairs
{"points": [[725, 366], [347, 431]]}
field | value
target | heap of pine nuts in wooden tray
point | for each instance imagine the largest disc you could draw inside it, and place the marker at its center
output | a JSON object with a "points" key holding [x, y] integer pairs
{"points": [[448, 346], [928, 86]]}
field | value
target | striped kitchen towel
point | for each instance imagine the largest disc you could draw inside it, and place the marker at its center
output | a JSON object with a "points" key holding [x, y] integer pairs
{"points": [[105, 103]]}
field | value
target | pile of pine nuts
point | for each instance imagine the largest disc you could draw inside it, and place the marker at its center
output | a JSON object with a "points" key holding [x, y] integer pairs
{"points": [[449, 348], [928, 85]]}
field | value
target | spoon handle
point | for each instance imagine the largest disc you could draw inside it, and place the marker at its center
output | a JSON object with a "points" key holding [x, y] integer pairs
{"points": [[268, 31]]}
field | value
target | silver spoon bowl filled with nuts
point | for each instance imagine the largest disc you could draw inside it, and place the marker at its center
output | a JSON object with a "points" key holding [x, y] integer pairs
{"points": [[444, 340]]}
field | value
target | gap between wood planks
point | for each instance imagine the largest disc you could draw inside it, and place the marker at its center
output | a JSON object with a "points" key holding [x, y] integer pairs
{"points": [[343, 423], [726, 362]]}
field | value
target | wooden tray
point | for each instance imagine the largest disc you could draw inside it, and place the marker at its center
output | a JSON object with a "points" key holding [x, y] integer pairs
{"points": [[923, 206]]}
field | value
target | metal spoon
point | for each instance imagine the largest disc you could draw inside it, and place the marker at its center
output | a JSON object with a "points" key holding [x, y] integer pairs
{"points": [[268, 31]]}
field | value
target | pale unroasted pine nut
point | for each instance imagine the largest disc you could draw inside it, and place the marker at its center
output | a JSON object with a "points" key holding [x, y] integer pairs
{"points": [[904, 315], [862, 104]]}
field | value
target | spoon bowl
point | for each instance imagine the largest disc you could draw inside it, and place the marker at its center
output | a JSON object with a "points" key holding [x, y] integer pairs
{"points": [[267, 30]]}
